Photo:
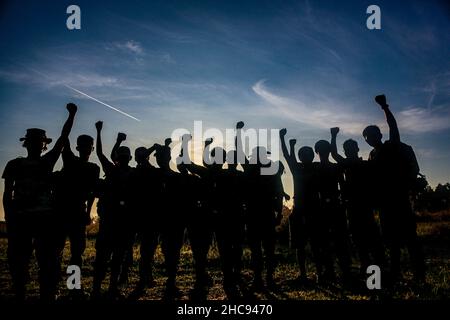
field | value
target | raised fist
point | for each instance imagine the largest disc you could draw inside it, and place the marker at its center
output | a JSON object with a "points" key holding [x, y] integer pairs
{"points": [[283, 132], [208, 141], [186, 137], [292, 142], [121, 136], [240, 125], [72, 108], [381, 100], [99, 125], [334, 131]]}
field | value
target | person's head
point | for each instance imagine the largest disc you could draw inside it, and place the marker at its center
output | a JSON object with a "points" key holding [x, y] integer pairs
{"points": [[85, 145], [162, 155], [259, 155], [35, 141], [123, 155], [351, 148], [306, 154], [218, 157], [232, 159], [141, 155], [323, 149], [372, 135]]}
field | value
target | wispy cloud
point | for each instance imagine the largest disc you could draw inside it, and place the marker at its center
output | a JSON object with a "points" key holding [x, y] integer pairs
{"points": [[325, 113], [422, 120], [130, 46], [317, 115]]}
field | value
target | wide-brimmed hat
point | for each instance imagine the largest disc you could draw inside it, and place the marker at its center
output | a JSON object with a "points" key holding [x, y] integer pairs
{"points": [[36, 134]]}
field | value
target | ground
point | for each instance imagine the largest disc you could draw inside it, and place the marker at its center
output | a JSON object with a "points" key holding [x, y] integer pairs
{"points": [[433, 229]]}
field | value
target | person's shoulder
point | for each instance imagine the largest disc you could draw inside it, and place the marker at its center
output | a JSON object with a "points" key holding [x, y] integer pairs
{"points": [[394, 144], [12, 166], [16, 162]]}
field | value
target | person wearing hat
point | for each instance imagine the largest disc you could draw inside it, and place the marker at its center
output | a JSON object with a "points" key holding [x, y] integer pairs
{"points": [[29, 209]]}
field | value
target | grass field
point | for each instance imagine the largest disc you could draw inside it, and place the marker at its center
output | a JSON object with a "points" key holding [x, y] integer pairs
{"points": [[433, 229]]}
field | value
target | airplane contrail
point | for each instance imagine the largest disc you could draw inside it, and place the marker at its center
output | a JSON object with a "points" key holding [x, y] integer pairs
{"points": [[86, 95], [101, 102]]}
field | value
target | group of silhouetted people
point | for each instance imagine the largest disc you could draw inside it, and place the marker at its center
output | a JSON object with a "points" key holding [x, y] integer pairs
{"points": [[334, 206]]}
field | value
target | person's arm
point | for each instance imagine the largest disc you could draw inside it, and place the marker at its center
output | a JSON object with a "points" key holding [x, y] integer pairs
{"points": [[334, 153], [206, 152], [240, 154], [289, 155], [90, 200], [394, 134], [8, 197], [183, 158], [106, 164], [54, 153], [196, 169], [120, 138], [67, 154], [151, 149]]}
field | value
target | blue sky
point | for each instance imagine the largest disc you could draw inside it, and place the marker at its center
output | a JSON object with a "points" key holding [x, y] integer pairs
{"points": [[304, 65]]}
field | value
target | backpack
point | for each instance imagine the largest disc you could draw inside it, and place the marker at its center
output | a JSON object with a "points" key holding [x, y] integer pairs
{"points": [[416, 181]]}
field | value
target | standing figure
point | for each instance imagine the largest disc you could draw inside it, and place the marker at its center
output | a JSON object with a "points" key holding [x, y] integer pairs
{"points": [[396, 170], [115, 226], [358, 202], [147, 207], [304, 223], [76, 186], [28, 201], [197, 201], [261, 205], [335, 237], [173, 222]]}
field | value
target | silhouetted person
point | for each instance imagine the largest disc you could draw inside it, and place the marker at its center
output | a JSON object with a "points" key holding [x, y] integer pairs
{"points": [[304, 220], [30, 210], [147, 207], [132, 221], [174, 218], [219, 183], [114, 212], [358, 202], [233, 226], [396, 170], [75, 195], [260, 210], [280, 194], [196, 197], [335, 237]]}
